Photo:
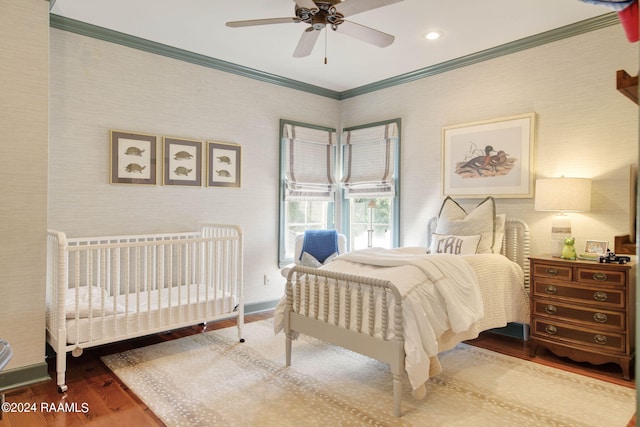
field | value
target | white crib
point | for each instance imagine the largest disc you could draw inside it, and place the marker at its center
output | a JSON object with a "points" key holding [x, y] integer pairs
{"points": [[106, 289]]}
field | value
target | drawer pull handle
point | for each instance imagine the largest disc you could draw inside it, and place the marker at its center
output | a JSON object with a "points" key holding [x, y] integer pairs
{"points": [[551, 309], [552, 271], [551, 330], [600, 296], [600, 339], [600, 318], [550, 289], [600, 277]]}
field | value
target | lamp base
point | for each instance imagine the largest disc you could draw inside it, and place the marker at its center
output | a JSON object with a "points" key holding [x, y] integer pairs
{"points": [[560, 229]]}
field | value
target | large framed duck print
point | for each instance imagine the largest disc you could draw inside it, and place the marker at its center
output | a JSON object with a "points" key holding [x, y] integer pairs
{"points": [[491, 157]]}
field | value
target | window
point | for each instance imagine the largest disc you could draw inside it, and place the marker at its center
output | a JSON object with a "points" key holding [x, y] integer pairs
{"points": [[370, 222], [371, 160], [370, 203], [307, 162]]}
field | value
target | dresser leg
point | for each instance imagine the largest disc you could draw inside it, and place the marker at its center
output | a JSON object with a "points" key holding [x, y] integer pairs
{"points": [[626, 369], [533, 348]]}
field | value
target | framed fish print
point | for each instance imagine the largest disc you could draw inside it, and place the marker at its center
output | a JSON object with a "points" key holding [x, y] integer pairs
{"points": [[133, 158], [182, 162], [223, 164], [489, 158]]}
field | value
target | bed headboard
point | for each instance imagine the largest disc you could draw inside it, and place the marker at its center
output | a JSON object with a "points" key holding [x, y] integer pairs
{"points": [[516, 243]]}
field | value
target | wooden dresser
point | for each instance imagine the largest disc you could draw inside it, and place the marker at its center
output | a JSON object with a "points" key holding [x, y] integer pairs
{"points": [[584, 310]]}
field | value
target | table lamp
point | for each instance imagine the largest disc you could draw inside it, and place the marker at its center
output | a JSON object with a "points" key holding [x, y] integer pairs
{"points": [[562, 195]]}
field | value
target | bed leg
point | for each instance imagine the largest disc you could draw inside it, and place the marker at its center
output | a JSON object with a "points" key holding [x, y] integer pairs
{"points": [[397, 395], [240, 319], [288, 350], [240, 324], [61, 367]]}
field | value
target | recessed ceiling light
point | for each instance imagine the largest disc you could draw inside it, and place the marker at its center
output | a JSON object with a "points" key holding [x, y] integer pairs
{"points": [[433, 35]]}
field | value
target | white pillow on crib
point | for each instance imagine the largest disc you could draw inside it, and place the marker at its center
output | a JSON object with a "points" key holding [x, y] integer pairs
{"points": [[456, 245], [97, 296]]}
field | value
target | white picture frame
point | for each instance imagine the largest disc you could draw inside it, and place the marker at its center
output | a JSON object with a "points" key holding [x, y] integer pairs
{"points": [[489, 158]]}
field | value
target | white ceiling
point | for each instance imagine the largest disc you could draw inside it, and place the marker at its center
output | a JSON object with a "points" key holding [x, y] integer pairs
{"points": [[468, 26]]}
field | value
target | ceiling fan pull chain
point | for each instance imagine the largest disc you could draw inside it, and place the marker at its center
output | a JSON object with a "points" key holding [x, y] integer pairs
{"points": [[325, 45]]}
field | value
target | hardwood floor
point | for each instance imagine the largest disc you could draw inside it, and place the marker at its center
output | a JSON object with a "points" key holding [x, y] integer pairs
{"points": [[97, 398]]}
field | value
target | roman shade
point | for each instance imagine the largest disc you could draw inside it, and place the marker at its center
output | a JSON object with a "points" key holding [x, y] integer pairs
{"points": [[309, 163], [369, 161]]}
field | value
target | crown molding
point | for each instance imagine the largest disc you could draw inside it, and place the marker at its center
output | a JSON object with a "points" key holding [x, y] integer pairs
{"points": [[101, 33], [567, 31]]}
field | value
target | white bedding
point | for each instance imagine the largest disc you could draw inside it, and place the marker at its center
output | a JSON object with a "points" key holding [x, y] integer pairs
{"points": [[144, 311], [446, 298]]}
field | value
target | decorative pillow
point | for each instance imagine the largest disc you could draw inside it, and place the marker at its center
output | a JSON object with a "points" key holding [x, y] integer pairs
{"points": [[97, 295], [454, 220], [457, 245], [501, 220], [308, 260]]}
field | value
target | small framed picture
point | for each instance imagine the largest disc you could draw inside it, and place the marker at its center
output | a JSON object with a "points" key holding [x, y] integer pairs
{"points": [[596, 247], [223, 164], [182, 161], [133, 158]]}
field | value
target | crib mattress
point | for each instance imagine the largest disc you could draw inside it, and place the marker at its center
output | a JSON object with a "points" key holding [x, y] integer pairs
{"points": [[146, 312]]}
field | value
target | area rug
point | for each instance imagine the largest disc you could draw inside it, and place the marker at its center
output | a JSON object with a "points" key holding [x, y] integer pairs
{"points": [[211, 379]]}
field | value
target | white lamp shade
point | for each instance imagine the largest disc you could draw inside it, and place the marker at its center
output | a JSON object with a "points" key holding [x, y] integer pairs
{"points": [[563, 194]]}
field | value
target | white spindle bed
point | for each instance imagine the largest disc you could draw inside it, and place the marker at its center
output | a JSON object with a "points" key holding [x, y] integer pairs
{"points": [[106, 289], [346, 309]]}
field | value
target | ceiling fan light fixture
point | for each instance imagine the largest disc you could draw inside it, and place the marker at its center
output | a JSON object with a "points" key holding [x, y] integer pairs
{"points": [[321, 14], [433, 35]]}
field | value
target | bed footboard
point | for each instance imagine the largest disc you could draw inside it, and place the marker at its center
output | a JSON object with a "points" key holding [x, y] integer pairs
{"points": [[358, 313], [106, 289]]}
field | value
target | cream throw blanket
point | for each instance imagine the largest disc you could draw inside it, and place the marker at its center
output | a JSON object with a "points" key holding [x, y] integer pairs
{"points": [[453, 279]]}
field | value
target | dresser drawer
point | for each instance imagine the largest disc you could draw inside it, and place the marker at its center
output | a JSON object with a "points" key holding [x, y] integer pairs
{"points": [[597, 276], [592, 318], [596, 296], [553, 271], [596, 339]]}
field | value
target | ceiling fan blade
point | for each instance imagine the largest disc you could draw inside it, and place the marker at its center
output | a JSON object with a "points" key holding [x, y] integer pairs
{"points": [[366, 34], [307, 4], [306, 43], [351, 7], [267, 21]]}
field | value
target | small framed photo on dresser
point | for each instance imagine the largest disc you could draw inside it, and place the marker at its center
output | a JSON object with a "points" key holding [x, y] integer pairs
{"points": [[596, 247]]}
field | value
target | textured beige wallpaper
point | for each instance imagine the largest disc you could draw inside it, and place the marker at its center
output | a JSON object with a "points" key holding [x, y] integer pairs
{"points": [[585, 128], [24, 56]]}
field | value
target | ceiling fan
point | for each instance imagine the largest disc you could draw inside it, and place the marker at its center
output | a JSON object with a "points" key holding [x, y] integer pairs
{"points": [[322, 13]]}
